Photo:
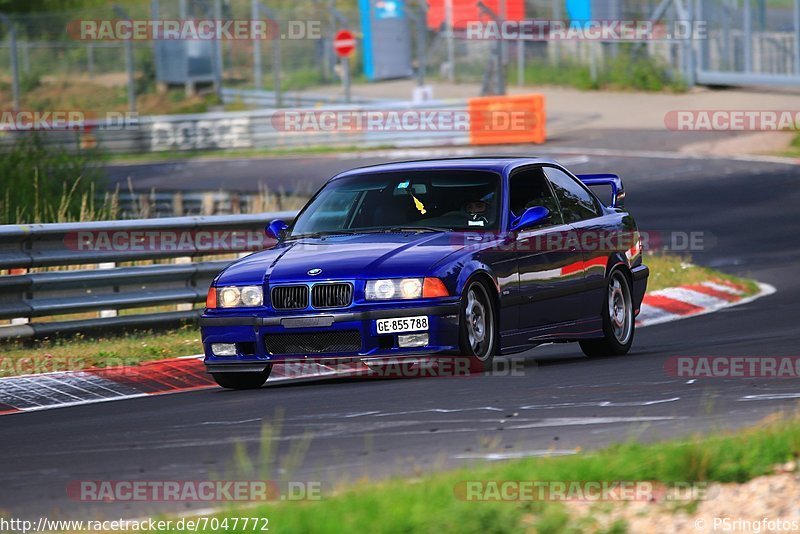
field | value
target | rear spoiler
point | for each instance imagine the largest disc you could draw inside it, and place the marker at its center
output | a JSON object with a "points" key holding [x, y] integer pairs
{"points": [[617, 189]]}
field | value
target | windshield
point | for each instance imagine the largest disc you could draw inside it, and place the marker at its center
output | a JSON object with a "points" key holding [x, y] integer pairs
{"points": [[417, 200]]}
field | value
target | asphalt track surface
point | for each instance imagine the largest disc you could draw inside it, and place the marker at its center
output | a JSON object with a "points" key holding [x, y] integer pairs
{"points": [[354, 428]]}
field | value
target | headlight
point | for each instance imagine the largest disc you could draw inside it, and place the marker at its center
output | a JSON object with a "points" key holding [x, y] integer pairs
{"points": [[406, 288], [252, 296], [229, 297], [411, 288], [233, 297]]}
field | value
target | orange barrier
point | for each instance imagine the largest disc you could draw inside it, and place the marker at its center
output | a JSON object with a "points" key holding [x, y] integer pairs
{"points": [[498, 120]]}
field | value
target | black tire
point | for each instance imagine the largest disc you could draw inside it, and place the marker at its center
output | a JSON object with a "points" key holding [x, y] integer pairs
{"points": [[478, 337], [619, 323], [251, 380]]}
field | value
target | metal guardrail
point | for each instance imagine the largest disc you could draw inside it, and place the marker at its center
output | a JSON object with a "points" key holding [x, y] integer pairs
{"points": [[107, 288], [269, 99], [247, 130]]}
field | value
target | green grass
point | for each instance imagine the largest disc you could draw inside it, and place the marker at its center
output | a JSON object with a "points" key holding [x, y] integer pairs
{"points": [[668, 270], [81, 352], [42, 183], [430, 504], [794, 148], [623, 73]]}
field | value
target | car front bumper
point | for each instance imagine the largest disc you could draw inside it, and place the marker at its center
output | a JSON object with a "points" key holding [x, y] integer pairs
{"points": [[250, 333]]}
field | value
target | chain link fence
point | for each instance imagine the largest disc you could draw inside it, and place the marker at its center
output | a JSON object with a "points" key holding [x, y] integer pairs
{"points": [[744, 37]]}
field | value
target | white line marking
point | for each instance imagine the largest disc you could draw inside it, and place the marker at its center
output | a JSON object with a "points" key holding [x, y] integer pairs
{"points": [[770, 396], [511, 455], [657, 154], [431, 410], [601, 404], [582, 421], [231, 422]]}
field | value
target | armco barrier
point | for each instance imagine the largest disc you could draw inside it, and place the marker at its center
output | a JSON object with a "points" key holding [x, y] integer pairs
{"points": [[26, 295], [498, 120], [485, 120]]}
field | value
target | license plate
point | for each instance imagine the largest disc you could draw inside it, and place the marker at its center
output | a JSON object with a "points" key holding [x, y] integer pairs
{"points": [[403, 324]]}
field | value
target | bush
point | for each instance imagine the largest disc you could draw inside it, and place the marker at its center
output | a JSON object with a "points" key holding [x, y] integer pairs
{"points": [[29, 81], [638, 71], [49, 184], [626, 71]]}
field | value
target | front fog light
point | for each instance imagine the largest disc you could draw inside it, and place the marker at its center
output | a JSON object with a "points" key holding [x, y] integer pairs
{"points": [[223, 349], [412, 340]]}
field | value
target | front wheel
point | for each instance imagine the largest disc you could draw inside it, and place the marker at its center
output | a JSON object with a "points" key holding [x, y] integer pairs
{"points": [[251, 380], [478, 337], [619, 324]]}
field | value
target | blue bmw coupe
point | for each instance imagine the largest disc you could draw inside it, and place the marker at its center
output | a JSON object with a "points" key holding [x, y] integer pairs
{"points": [[472, 257]]}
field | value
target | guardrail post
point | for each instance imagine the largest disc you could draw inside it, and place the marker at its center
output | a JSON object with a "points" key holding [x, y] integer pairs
{"points": [[184, 306], [18, 320], [107, 313], [207, 207], [177, 204]]}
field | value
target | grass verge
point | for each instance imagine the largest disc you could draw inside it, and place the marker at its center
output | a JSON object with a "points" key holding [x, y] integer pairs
{"points": [[794, 148], [81, 352], [434, 502], [626, 72], [130, 349], [668, 270]]}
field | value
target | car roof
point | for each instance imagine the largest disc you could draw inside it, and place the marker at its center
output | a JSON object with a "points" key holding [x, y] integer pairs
{"points": [[481, 163]]}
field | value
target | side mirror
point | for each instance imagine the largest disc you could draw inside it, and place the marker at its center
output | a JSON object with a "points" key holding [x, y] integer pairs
{"points": [[531, 217], [275, 229]]}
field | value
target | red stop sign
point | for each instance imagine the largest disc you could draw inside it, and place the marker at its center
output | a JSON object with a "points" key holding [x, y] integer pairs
{"points": [[344, 43]]}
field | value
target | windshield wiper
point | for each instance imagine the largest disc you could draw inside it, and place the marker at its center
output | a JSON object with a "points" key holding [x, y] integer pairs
{"points": [[394, 229], [418, 229], [313, 235]]}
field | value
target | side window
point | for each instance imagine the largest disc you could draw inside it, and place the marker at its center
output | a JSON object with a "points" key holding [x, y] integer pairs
{"points": [[576, 202], [529, 188]]}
